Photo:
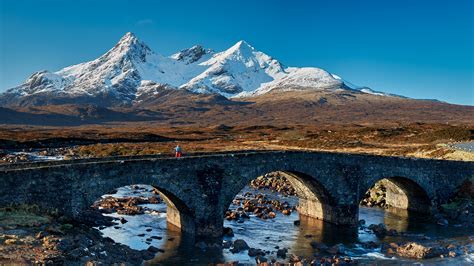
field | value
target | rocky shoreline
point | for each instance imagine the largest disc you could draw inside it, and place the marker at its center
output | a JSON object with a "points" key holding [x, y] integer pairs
{"points": [[30, 236]]}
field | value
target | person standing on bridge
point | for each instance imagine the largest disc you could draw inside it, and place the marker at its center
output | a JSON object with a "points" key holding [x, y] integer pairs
{"points": [[178, 151]]}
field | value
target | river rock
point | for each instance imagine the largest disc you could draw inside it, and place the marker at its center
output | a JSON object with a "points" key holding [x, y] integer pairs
{"points": [[380, 230], [282, 252], [255, 252], [65, 244], [336, 249], [228, 232], [260, 260], [226, 244], [418, 251], [239, 245]]}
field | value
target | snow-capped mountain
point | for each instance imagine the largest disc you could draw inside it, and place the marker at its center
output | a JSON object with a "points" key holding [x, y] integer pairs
{"points": [[131, 70]]}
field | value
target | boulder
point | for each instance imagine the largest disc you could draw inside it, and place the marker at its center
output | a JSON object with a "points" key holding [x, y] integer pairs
{"points": [[239, 245], [253, 252], [282, 252], [380, 230], [227, 231], [417, 251]]}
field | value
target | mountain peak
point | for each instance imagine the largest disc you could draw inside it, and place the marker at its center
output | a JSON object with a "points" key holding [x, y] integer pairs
{"points": [[129, 45], [241, 46], [129, 39]]}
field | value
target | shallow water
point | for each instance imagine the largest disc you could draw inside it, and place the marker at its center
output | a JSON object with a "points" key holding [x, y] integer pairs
{"points": [[35, 156], [279, 232], [465, 146]]}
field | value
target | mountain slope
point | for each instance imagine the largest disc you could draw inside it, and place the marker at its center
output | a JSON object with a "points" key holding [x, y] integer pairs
{"points": [[131, 70]]}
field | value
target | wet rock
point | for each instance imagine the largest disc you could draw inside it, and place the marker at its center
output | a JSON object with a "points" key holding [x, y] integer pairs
{"points": [[418, 251], [122, 220], [226, 244], [392, 232], [125, 206], [83, 241], [141, 235], [77, 253], [260, 260], [239, 245], [12, 241], [94, 218], [282, 253], [156, 237], [370, 244], [148, 255], [228, 232], [255, 252], [336, 249], [443, 222], [296, 223], [65, 244], [379, 230], [275, 181]]}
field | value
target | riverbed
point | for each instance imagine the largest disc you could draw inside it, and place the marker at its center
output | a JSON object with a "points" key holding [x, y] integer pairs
{"points": [[150, 229]]}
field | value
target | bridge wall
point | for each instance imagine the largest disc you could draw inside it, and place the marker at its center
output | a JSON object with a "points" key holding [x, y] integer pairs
{"points": [[201, 188]]}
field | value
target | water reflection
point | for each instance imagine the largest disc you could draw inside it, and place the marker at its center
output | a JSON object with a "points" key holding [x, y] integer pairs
{"points": [[271, 234]]}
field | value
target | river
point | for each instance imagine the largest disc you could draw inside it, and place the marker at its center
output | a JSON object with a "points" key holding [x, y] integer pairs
{"points": [[147, 229], [464, 146]]}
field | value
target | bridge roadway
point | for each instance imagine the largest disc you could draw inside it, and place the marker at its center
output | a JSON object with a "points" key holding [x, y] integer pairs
{"points": [[200, 187]]}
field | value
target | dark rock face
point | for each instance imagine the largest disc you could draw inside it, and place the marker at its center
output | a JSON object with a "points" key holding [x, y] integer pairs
{"points": [[199, 189], [239, 245], [192, 54]]}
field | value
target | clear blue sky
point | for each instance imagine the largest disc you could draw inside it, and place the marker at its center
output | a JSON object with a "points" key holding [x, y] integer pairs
{"points": [[420, 49]]}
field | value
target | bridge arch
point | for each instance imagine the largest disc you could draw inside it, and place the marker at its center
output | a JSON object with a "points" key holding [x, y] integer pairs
{"points": [[403, 193], [315, 198], [179, 214]]}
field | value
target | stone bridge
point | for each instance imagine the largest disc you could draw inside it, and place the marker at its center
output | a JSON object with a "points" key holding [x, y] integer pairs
{"points": [[199, 188]]}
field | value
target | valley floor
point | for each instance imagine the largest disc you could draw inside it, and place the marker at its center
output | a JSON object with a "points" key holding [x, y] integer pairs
{"points": [[412, 140]]}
